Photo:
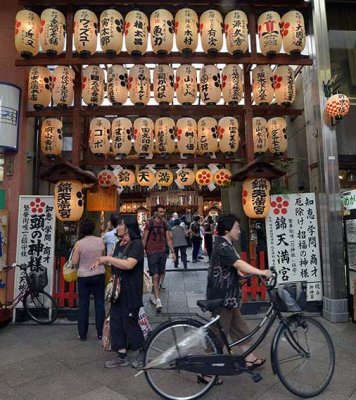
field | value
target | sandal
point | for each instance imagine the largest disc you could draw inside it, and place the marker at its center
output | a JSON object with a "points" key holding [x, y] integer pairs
{"points": [[256, 363], [207, 379]]}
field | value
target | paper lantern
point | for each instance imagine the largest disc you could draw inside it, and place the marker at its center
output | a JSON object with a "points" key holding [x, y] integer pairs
{"points": [[229, 138], [186, 28], [186, 84], [222, 177], [284, 85], [256, 200], [52, 32], [99, 136], [143, 135], [232, 84], [111, 31], [139, 84], [269, 33], [146, 177], [27, 33], [259, 132], [207, 135], [121, 137], [63, 86], [117, 85], [126, 177], [185, 177], [85, 32], [136, 33], [338, 106], [293, 32], [39, 87], [162, 29], [163, 84], [204, 177], [93, 81], [165, 136], [187, 136], [106, 178], [277, 135], [69, 200], [211, 31], [51, 137], [164, 177], [262, 85], [236, 31], [210, 87]]}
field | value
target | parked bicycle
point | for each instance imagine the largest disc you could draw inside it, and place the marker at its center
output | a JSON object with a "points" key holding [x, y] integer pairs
{"points": [[38, 304], [302, 353]]}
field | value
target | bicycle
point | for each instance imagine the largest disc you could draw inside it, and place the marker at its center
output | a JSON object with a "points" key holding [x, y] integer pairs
{"points": [[302, 353], [38, 304]]}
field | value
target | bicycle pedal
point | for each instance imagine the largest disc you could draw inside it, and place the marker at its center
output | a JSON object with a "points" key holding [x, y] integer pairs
{"points": [[256, 377]]}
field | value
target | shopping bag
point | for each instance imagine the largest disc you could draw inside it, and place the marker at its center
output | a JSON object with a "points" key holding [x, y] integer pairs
{"points": [[147, 283], [69, 270], [106, 338], [143, 322]]}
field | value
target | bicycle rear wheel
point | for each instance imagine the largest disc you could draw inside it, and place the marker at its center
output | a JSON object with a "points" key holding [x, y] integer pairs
{"points": [[169, 381], [304, 356], [40, 307]]}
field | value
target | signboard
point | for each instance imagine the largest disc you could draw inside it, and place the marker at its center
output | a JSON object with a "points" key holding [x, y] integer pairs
{"points": [[348, 200], [293, 241], [103, 199], [10, 96], [35, 238]]}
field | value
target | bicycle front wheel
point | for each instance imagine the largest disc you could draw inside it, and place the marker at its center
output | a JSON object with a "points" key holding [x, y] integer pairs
{"points": [[40, 307], [166, 378], [304, 356]]}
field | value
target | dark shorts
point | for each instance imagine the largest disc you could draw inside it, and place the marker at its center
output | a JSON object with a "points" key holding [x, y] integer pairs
{"points": [[157, 263]]}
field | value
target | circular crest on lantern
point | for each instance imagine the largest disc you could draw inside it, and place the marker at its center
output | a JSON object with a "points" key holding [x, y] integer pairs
{"points": [[164, 177], [39, 87], [51, 137], [106, 178], [85, 32], [52, 32], [269, 33], [136, 33], [126, 177], [338, 106], [222, 177], [146, 177], [27, 33], [186, 28], [69, 200], [256, 197], [162, 30], [204, 177], [185, 177], [63, 86], [111, 31]]}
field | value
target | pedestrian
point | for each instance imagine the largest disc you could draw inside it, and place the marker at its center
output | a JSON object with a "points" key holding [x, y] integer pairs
{"points": [[195, 231], [208, 227], [110, 237], [156, 240], [128, 259], [179, 235], [171, 221], [86, 250]]}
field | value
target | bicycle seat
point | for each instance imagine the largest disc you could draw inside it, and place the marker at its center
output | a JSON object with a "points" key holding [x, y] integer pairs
{"points": [[209, 305]]}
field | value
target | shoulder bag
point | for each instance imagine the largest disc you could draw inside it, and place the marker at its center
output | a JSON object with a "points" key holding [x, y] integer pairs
{"points": [[69, 270]]}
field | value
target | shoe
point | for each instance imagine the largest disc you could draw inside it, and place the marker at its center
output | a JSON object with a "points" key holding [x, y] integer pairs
{"points": [[159, 305], [200, 258], [100, 337], [194, 261], [117, 362], [161, 286], [256, 363], [207, 379], [153, 299], [83, 339], [138, 361], [175, 266]]}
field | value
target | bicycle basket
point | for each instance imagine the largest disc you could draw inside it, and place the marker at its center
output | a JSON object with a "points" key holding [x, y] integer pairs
{"points": [[292, 296], [38, 280]]}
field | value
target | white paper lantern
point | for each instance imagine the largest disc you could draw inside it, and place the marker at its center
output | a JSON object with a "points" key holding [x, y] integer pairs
{"points": [[163, 84], [204, 177], [210, 86], [106, 178], [117, 85], [211, 31], [256, 200], [186, 28], [85, 30], [69, 200], [222, 177], [262, 85], [121, 137], [51, 137], [126, 177], [207, 135], [52, 32], [269, 33], [139, 84], [111, 31], [99, 136], [260, 137], [236, 31], [146, 177], [338, 106], [162, 30], [143, 130], [136, 33], [164, 177], [186, 84], [284, 85], [229, 138], [27, 33], [232, 84], [93, 81], [185, 177], [277, 135], [63, 86], [39, 87], [187, 136], [293, 32], [165, 136]]}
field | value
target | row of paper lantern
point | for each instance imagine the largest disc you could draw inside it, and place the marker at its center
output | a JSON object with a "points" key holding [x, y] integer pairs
{"points": [[31, 31]]}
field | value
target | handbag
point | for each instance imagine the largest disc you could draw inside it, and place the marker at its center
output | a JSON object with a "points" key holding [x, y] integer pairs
{"points": [[147, 283], [144, 323], [69, 270], [106, 339]]}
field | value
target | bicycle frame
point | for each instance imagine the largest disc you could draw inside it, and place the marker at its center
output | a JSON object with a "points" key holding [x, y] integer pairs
{"points": [[14, 302]]}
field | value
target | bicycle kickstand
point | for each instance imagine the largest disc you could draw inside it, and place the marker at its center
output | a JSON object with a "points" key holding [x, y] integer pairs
{"points": [[256, 376]]}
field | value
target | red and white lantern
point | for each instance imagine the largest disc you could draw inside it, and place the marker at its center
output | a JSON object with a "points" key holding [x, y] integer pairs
{"points": [[293, 32], [207, 135], [222, 177], [277, 135], [236, 31], [111, 31], [143, 131], [51, 137], [260, 137], [139, 85], [284, 85], [162, 30], [164, 177], [93, 81], [85, 31], [204, 177], [52, 32], [27, 33], [121, 137], [163, 84], [165, 136], [69, 200], [229, 138], [211, 31], [39, 87], [187, 136], [232, 84], [117, 85], [338, 106], [262, 85], [186, 84], [186, 27], [106, 178], [63, 86], [136, 33], [99, 136], [256, 200], [269, 33], [210, 86]]}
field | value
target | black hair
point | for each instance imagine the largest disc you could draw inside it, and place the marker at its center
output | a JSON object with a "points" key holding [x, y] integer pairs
{"points": [[130, 221], [225, 223], [176, 222], [115, 219], [197, 218], [158, 206], [86, 227], [210, 219]]}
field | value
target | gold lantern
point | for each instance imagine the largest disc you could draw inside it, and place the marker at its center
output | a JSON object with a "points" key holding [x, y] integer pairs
{"points": [[269, 33], [256, 200], [143, 129], [52, 32], [164, 177], [277, 135], [293, 32], [146, 177], [136, 33], [207, 135], [284, 85], [232, 84], [121, 136], [39, 87], [185, 177], [186, 28], [229, 138], [126, 177], [63, 86], [186, 84], [222, 177], [163, 84], [162, 29], [211, 31], [260, 138], [187, 136], [27, 33], [111, 31], [51, 137], [117, 85], [262, 85], [99, 136], [106, 178], [85, 32], [69, 200], [93, 81], [139, 85], [204, 177], [338, 106], [236, 31], [165, 136], [210, 87]]}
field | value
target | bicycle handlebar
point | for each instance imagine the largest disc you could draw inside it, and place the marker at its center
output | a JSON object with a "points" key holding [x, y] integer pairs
{"points": [[23, 267], [269, 284]]}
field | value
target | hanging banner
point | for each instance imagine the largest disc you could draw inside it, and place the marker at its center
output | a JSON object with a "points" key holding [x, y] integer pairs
{"points": [[10, 98], [35, 238], [293, 242], [348, 200]]}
